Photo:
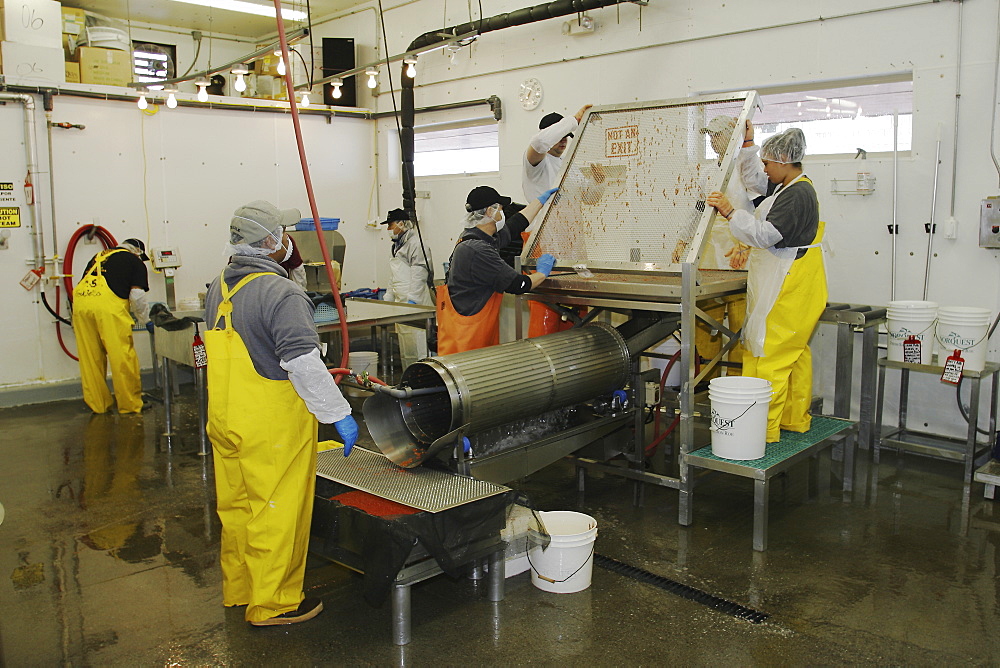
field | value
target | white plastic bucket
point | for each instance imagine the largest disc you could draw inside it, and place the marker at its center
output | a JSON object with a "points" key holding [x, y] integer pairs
{"points": [[906, 318], [360, 362], [739, 416], [668, 347], [567, 564], [963, 328]]}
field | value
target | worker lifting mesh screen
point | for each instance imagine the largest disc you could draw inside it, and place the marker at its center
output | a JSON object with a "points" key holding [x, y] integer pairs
{"points": [[632, 192]]}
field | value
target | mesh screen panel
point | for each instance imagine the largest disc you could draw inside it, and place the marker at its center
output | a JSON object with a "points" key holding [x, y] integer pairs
{"points": [[632, 192]]}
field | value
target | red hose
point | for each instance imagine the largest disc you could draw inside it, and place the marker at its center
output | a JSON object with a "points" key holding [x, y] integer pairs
{"points": [[657, 436], [290, 89], [101, 233], [59, 336]]}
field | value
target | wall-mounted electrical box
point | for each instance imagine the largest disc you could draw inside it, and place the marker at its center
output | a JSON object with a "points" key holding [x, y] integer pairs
{"points": [[166, 257], [989, 223]]}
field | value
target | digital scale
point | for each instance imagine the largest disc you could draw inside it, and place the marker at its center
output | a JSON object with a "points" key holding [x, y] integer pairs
{"points": [[166, 259]]}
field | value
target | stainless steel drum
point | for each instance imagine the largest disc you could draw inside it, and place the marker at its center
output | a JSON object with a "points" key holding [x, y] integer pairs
{"points": [[496, 385]]}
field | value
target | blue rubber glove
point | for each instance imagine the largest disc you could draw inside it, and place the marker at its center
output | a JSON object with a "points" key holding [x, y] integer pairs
{"points": [[466, 445], [410, 301], [348, 430], [149, 326], [544, 197], [545, 264]]}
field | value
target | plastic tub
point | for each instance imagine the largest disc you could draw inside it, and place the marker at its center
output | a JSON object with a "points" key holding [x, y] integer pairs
{"points": [[911, 318], [308, 224], [566, 566], [963, 328], [739, 416]]}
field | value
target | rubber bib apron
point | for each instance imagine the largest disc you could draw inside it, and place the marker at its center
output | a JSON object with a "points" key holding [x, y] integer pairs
{"points": [[458, 333], [785, 300], [103, 328], [264, 444]]}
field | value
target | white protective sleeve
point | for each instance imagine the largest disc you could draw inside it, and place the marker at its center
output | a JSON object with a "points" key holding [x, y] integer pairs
{"points": [[552, 135], [753, 232], [299, 276], [751, 170], [312, 381], [138, 304]]}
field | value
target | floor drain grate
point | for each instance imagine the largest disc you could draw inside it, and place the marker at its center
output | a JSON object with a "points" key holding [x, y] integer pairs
{"points": [[682, 590]]}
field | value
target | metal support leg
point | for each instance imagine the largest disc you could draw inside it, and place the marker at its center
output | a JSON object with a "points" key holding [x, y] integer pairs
{"points": [[686, 487], [970, 444], [849, 444], [401, 614], [760, 515], [200, 390], [869, 361], [168, 383], [581, 479], [495, 586], [877, 435], [843, 383]]}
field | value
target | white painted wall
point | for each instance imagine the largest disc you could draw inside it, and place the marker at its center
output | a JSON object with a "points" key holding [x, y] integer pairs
{"points": [[172, 177], [678, 49]]}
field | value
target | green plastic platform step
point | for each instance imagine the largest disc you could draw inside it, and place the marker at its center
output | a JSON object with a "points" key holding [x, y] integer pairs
{"points": [[791, 443]]}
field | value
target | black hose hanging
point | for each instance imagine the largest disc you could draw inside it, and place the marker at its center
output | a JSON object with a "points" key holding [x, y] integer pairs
{"points": [[518, 17]]}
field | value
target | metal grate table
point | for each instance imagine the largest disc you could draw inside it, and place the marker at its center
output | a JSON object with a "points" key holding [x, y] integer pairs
{"points": [[779, 457]]}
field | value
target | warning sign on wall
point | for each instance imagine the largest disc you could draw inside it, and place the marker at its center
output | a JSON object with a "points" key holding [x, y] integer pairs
{"points": [[6, 191], [10, 216]]}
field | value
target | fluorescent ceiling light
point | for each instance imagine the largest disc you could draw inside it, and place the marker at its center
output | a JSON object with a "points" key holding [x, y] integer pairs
{"points": [[248, 7]]}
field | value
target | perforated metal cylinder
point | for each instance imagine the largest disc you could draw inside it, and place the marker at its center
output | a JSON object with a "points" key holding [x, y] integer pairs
{"points": [[500, 384]]}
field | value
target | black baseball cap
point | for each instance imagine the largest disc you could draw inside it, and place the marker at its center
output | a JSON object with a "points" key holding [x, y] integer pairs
{"points": [[139, 246], [482, 197], [395, 216], [551, 119]]}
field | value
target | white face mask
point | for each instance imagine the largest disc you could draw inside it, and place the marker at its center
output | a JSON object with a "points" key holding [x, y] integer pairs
{"points": [[288, 252], [503, 221]]}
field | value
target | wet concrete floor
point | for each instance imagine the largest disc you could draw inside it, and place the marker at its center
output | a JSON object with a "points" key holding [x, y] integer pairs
{"points": [[110, 557]]}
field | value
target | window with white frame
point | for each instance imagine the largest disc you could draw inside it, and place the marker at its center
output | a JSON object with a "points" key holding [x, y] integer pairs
{"points": [[841, 118], [465, 147]]}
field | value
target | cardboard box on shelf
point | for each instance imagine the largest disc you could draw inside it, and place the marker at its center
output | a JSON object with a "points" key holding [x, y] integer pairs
{"points": [[109, 67], [270, 88], [72, 72], [31, 22], [38, 64], [73, 20]]}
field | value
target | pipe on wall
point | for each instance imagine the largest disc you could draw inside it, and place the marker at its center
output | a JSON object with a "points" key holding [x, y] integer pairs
{"points": [[31, 155], [518, 17]]}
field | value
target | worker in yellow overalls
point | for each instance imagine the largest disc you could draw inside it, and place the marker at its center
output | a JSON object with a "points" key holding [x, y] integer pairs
{"points": [[114, 282], [786, 281], [267, 387]]}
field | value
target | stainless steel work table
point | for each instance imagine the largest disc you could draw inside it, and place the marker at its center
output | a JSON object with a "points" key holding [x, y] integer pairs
{"points": [[379, 316], [176, 347], [936, 445]]}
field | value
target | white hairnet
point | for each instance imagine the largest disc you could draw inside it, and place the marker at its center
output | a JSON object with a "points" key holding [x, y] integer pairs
{"points": [[263, 247], [786, 147], [477, 217]]}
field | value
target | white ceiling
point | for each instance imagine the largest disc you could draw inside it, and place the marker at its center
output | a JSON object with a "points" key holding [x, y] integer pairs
{"points": [[193, 17]]}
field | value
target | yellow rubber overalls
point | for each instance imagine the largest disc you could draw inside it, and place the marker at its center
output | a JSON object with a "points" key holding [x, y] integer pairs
{"points": [[785, 298], [103, 328], [264, 443]]}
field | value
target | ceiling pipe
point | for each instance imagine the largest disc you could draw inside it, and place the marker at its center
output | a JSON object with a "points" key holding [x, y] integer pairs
{"points": [[518, 17]]}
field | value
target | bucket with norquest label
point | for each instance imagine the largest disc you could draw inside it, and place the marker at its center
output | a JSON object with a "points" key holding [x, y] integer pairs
{"points": [[964, 328], [907, 320], [739, 416]]}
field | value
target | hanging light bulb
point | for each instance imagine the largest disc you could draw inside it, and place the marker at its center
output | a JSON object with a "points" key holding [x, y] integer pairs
{"points": [[171, 100], [281, 67], [337, 83], [143, 104], [411, 69], [202, 85], [305, 99], [240, 71], [372, 77]]}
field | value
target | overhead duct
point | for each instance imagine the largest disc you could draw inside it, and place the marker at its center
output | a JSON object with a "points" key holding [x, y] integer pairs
{"points": [[519, 17]]}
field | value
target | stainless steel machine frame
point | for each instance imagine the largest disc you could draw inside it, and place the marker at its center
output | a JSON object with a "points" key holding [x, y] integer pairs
{"points": [[675, 289]]}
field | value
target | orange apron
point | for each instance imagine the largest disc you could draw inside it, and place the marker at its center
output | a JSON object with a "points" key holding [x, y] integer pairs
{"points": [[542, 319], [458, 333]]}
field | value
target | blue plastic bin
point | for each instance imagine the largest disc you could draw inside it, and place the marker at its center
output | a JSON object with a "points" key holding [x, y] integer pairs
{"points": [[307, 224]]}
